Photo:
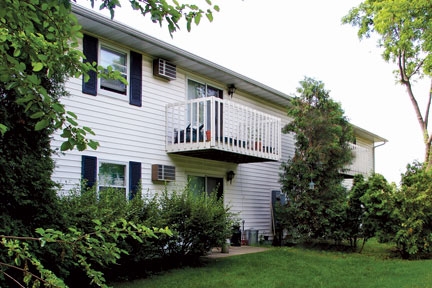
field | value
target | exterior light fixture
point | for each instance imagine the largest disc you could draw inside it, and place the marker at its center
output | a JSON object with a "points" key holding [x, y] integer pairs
{"points": [[311, 185], [230, 176], [231, 90]]}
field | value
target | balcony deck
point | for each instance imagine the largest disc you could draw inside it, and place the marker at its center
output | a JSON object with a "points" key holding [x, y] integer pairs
{"points": [[362, 162], [216, 129]]}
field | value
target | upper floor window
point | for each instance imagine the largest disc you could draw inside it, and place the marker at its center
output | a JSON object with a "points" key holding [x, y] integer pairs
{"points": [[118, 61], [127, 63], [197, 112], [198, 90]]}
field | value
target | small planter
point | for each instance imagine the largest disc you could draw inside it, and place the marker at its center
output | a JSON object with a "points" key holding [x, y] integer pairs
{"points": [[225, 248], [258, 146]]}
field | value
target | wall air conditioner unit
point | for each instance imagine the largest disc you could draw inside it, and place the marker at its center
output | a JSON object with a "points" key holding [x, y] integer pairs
{"points": [[164, 69], [163, 172]]}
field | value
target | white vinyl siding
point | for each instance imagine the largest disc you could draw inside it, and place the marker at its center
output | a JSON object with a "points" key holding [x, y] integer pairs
{"points": [[130, 133]]}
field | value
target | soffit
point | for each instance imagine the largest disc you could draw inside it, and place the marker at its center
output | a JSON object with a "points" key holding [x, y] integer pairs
{"points": [[360, 132], [105, 27]]}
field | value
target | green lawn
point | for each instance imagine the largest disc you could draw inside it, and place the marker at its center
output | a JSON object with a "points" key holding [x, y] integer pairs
{"points": [[296, 267]]}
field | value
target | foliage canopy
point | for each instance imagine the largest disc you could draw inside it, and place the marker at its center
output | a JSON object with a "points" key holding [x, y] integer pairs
{"points": [[312, 178], [404, 30]]}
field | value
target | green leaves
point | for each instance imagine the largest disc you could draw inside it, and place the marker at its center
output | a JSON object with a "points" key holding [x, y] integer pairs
{"points": [[322, 135], [42, 124], [98, 246], [160, 10], [41, 47], [37, 66], [3, 129]]}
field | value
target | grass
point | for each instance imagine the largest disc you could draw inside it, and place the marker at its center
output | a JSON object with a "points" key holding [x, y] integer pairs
{"points": [[296, 267]]}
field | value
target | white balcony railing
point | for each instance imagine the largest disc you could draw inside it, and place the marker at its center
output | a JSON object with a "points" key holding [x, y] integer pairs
{"points": [[213, 123], [362, 162]]}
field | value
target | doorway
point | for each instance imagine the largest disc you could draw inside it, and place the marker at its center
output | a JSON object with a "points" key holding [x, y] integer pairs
{"points": [[205, 184]]}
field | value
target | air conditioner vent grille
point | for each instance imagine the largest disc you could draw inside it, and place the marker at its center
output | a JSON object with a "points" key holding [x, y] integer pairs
{"points": [[163, 172], [163, 68]]}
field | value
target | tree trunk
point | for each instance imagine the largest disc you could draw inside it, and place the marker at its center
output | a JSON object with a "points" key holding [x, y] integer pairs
{"points": [[423, 122], [428, 138]]}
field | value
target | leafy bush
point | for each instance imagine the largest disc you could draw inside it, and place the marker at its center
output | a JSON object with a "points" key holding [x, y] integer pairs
{"points": [[402, 216], [198, 223], [414, 206], [380, 218]]}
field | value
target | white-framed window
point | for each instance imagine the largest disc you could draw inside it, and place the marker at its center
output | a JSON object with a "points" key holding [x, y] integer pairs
{"points": [[125, 176], [118, 60], [113, 175]]}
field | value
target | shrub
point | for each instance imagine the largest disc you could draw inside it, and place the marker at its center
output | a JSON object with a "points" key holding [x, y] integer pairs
{"points": [[414, 206], [198, 223], [380, 218]]}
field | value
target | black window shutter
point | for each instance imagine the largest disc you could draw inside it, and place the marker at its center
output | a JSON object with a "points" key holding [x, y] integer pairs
{"points": [[134, 178], [88, 170], [90, 50], [135, 84]]}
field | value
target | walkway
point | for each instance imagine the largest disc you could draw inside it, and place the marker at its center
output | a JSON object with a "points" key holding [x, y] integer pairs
{"points": [[235, 250]]}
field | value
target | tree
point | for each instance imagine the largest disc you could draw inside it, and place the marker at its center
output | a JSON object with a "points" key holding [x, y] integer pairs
{"points": [[404, 28], [312, 178], [38, 52], [355, 210]]}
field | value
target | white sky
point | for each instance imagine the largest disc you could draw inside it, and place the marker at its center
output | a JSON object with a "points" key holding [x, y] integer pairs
{"points": [[279, 42]]}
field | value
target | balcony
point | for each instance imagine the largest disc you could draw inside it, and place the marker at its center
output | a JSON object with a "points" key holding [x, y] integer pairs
{"points": [[362, 162], [216, 129]]}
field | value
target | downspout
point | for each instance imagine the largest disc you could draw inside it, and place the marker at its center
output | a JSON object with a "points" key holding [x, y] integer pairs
{"points": [[373, 151]]}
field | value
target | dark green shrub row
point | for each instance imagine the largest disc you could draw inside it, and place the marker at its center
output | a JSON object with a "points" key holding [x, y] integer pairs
{"points": [[374, 208], [198, 222], [400, 215]]}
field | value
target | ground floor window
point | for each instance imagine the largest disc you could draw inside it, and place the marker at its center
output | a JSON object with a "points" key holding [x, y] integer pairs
{"points": [[112, 175], [101, 174], [205, 184]]}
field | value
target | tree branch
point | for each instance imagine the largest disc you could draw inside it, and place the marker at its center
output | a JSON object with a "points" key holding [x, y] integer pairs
{"points": [[428, 109], [22, 270], [405, 80]]}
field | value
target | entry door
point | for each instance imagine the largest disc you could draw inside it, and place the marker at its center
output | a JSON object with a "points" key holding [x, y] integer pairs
{"points": [[215, 184], [200, 184]]}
